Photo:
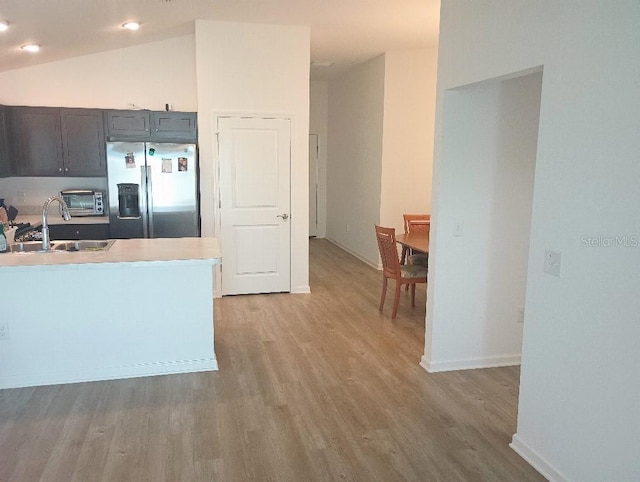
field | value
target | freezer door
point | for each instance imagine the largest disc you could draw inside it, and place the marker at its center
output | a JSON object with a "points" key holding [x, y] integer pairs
{"points": [[173, 190], [126, 183]]}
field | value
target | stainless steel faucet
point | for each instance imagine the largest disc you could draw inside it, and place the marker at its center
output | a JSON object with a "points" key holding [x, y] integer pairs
{"points": [[46, 241]]}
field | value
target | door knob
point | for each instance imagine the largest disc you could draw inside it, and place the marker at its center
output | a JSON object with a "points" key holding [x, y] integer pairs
{"points": [[283, 216]]}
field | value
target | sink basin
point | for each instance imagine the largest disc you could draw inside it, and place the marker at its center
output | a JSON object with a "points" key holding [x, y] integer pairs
{"points": [[26, 247], [82, 245], [60, 246]]}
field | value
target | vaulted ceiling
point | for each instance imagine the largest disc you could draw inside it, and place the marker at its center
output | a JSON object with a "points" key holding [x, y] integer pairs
{"points": [[345, 32]]}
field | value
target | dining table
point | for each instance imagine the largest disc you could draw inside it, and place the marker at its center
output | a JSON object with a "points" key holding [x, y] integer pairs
{"points": [[416, 242]]}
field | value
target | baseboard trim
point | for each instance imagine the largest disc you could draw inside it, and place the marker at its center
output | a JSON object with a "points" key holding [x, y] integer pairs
{"points": [[302, 290], [535, 460], [375, 265], [469, 364], [109, 373]]}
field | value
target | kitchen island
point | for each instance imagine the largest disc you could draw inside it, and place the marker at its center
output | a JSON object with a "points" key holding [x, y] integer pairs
{"points": [[143, 307]]}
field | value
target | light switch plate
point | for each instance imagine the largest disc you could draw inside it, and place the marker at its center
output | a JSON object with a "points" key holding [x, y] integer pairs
{"points": [[552, 262]]}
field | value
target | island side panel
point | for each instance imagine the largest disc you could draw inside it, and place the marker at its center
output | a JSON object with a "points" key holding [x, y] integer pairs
{"points": [[77, 323]]}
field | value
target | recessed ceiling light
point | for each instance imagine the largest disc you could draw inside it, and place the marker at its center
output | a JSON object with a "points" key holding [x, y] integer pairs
{"points": [[131, 25], [31, 47], [4, 26], [322, 63]]}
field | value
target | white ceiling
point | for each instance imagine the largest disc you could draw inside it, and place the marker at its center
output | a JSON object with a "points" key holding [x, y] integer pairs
{"points": [[343, 31]]}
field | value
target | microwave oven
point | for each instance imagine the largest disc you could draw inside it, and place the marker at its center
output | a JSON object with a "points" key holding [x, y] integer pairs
{"points": [[84, 202]]}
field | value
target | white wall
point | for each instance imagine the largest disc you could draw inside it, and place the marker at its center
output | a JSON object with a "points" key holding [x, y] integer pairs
{"points": [[407, 150], [578, 417], [490, 151], [253, 69], [354, 161], [318, 124], [149, 75]]}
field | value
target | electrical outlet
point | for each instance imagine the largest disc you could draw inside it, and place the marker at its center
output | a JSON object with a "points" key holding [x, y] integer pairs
{"points": [[521, 315], [552, 262], [4, 330], [458, 228], [346, 228], [22, 197]]}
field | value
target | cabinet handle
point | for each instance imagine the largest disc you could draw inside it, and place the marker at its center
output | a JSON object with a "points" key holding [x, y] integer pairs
{"points": [[66, 169], [59, 169]]}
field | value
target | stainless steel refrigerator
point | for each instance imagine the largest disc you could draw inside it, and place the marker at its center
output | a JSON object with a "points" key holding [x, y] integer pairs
{"points": [[153, 190]]}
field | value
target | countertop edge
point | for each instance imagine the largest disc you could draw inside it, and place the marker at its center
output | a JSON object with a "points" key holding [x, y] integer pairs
{"points": [[112, 264], [124, 253]]}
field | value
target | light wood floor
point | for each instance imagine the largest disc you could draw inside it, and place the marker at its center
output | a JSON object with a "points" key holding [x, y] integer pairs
{"points": [[310, 387]]}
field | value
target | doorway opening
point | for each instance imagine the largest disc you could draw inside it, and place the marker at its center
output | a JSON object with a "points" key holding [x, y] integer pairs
{"points": [[483, 228]]}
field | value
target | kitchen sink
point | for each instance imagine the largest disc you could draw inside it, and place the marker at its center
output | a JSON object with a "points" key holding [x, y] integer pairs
{"points": [[60, 246], [26, 247], [84, 245]]}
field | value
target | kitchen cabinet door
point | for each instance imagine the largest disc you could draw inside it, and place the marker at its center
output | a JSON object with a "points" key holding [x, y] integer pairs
{"points": [[174, 125], [147, 125], [78, 231], [128, 123], [39, 144], [5, 168], [83, 142]]}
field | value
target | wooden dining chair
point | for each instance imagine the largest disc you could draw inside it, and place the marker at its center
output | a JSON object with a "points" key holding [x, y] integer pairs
{"points": [[415, 223], [404, 274], [421, 223]]}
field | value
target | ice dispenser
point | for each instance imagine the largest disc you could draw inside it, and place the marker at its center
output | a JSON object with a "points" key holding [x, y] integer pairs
{"points": [[128, 201]]}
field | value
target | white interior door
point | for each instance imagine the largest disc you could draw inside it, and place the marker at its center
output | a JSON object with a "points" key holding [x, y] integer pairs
{"points": [[313, 184], [255, 186]]}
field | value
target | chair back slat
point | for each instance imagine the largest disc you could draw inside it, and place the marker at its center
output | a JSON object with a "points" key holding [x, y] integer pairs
{"points": [[417, 223], [386, 238]]}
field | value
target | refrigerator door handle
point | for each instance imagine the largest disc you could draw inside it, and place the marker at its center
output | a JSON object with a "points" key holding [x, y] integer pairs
{"points": [[143, 201], [150, 202]]}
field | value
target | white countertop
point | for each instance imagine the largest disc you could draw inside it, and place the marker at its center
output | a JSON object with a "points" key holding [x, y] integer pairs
{"points": [[125, 252]]}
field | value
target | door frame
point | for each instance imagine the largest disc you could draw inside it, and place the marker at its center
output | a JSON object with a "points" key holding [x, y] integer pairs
{"points": [[317, 182], [217, 115]]}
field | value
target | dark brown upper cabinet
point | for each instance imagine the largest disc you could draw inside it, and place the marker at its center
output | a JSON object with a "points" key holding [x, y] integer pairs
{"points": [[38, 143], [59, 142], [5, 166], [174, 124], [83, 145], [150, 125], [128, 123]]}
